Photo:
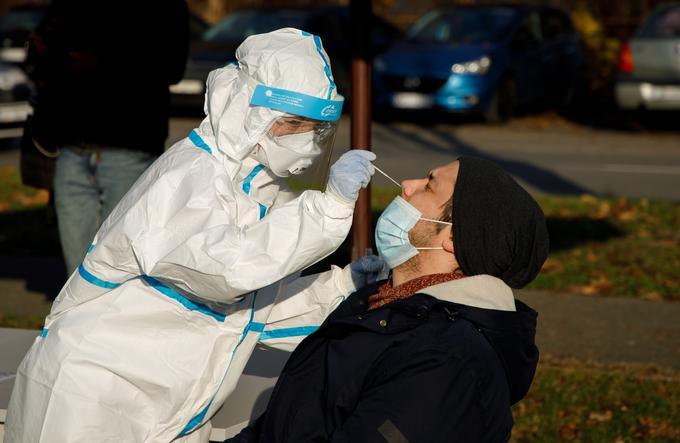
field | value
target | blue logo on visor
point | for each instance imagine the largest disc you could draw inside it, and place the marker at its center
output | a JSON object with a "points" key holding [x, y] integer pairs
{"points": [[297, 103]]}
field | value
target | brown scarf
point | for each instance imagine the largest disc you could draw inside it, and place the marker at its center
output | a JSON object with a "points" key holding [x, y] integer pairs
{"points": [[387, 294]]}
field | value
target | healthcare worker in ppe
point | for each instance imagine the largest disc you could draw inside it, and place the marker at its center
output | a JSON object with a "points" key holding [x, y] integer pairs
{"points": [[149, 336]]}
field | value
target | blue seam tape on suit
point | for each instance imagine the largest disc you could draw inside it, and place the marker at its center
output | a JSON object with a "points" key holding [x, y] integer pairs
{"points": [[327, 68], [197, 419], [288, 332], [94, 280], [246, 183], [193, 306], [198, 141]]}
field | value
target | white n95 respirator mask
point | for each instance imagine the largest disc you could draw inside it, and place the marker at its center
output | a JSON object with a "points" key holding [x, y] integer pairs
{"points": [[290, 154]]}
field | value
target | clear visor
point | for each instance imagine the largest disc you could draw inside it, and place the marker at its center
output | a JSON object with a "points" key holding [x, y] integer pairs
{"points": [[299, 149]]}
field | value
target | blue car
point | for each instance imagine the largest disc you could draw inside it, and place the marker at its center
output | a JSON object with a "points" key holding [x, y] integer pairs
{"points": [[485, 60]]}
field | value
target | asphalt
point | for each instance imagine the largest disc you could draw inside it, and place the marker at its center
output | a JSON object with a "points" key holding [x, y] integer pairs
{"points": [[597, 329]]}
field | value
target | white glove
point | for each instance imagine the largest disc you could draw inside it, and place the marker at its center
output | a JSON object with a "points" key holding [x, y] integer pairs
{"points": [[350, 173]]}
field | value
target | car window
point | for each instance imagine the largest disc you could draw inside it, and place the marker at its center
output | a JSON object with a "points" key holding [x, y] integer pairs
{"points": [[665, 23], [528, 35], [463, 25], [555, 26], [241, 24], [15, 21], [326, 27]]}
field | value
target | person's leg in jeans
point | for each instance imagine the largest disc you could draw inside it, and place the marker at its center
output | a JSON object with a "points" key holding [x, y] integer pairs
{"points": [[77, 203], [87, 187], [117, 171]]}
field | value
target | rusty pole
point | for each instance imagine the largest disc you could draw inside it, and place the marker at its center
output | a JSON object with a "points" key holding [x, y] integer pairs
{"points": [[360, 17]]}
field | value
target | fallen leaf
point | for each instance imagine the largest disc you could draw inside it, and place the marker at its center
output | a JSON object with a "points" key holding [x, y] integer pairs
{"points": [[569, 431], [601, 416], [652, 295], [589, 199]]}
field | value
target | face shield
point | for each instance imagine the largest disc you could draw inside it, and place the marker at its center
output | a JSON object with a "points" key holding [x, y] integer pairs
{"points": [[298, 144]]}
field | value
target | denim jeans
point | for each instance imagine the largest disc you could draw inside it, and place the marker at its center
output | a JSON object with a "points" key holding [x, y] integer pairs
{"points": [[88, 183]]}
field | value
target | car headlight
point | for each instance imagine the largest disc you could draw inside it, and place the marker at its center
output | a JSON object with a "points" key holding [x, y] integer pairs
{"points": [[474, 67], [11, 77]]}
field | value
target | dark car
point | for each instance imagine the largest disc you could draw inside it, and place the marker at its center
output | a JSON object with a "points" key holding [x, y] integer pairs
{"points": [[15, 27], [15, 92], [217, 47], [484, 60]]}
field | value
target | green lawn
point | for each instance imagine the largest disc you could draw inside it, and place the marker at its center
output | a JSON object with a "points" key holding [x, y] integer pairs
{"points": [[612, 246], [599, 246], [582, 402]]}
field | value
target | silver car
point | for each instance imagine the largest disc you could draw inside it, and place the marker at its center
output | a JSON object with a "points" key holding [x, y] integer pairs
{"points": [[649, 66]]}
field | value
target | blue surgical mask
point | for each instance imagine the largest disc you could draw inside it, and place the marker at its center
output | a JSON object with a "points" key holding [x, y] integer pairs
{"points": [[391, 232]]}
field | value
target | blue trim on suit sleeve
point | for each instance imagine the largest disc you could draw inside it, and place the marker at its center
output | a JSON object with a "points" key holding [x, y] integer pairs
{"points": [[288, 332], [94, 280]]}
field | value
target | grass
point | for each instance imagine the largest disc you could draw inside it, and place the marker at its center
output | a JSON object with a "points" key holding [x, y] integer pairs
{"points": [[612, 246], [585, 402], [599, 246]]}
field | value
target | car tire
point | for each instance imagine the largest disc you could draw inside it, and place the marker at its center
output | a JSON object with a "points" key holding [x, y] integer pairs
{"points": [[502, 104]]}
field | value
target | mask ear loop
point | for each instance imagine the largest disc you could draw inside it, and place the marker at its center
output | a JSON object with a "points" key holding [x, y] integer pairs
{"points": [[434, 221]]}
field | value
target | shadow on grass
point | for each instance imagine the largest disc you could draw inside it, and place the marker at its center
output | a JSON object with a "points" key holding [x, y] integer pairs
{"points": [[567, 233], [30, 250]]}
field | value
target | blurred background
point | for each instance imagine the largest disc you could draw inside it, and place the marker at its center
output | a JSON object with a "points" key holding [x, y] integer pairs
{"points": [[579, 100]]}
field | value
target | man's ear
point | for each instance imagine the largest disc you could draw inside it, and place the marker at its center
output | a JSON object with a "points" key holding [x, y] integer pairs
{"points": [[448, 245]]}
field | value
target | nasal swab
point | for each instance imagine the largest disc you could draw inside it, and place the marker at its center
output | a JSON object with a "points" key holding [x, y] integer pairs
{"points": [[388, 177]]}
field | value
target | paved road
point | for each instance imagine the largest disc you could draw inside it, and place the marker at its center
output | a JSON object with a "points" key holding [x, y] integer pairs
{"points": [[561, 159]]}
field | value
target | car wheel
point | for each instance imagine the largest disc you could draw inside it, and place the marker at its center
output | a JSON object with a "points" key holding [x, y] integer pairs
{"points": [[502, 104]]}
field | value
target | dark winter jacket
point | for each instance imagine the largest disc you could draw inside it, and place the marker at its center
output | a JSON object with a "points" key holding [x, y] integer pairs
{"points": [[444, 365], [103, 68]]}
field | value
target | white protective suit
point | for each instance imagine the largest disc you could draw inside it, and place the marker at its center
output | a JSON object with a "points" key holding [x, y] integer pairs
{"points": [[151, 333]]}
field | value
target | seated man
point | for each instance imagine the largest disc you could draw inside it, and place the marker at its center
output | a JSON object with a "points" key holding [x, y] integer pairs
{"points": [[441, 350]]}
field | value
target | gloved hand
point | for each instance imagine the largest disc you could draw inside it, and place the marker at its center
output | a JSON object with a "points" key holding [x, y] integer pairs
{"points": [[366, 270], [350, 173]]}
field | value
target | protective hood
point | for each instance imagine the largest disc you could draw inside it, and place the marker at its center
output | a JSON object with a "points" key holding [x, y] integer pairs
{"points": [[286, 60], [508, 324]]}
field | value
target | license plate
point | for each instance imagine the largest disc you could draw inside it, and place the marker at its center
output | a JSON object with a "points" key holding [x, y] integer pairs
{"points": [[15, 112], [13, 55], [411, 100], [665, 93], [192, 87]]}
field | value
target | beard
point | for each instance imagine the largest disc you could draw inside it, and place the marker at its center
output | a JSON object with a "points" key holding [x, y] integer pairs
{"points": [[420, 236]]}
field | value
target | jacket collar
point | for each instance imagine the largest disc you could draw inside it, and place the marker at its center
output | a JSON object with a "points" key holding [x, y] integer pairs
{"points": [[479, 291]]}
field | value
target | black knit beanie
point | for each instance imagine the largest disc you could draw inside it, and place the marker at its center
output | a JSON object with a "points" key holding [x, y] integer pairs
{"points": [[498, 228]]}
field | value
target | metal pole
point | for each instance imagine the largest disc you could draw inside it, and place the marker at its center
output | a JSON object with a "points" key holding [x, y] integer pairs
{"points": [[360, 17]]}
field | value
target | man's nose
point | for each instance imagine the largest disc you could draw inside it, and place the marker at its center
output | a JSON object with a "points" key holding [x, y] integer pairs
{"points": [[408, 187]]}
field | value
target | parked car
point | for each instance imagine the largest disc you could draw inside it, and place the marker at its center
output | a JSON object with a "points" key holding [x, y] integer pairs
{"points": [[15, 91], [15, 27], [481, 60], [217, 47], [649, 64]]}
